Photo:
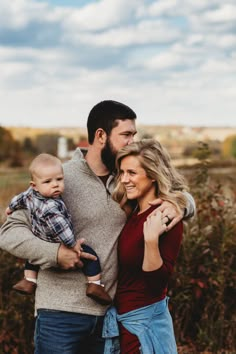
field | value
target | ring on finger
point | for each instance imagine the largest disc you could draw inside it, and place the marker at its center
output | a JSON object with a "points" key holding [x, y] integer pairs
{"points": [[169, 219]]}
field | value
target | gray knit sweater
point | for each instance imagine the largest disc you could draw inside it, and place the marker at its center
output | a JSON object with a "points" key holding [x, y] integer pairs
{"points": [[96, 217]]}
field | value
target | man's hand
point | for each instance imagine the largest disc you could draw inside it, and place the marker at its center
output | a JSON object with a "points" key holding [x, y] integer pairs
{"points": [[170, 215], [70, 259]]}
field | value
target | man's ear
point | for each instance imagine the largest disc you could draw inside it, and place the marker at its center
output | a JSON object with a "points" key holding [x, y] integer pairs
{"points": [[101, 136]]}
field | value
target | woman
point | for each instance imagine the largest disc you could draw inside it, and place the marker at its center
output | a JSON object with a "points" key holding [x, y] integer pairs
{"points": [[147, 253]]}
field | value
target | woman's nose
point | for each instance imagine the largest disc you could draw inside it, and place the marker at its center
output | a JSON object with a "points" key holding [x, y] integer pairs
{"points": [[124, 178]]}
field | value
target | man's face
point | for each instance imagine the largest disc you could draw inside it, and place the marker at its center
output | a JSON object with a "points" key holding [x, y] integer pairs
{"points": [[120, 136]]}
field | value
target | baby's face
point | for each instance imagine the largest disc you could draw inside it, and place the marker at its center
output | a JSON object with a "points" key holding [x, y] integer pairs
{"points": [[49, 181]]}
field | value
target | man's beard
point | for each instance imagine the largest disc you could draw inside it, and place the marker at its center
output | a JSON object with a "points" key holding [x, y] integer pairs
{"points": [[108, 156]]}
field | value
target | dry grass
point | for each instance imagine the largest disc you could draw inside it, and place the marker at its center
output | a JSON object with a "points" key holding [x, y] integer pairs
{"points": [[12, 181]]}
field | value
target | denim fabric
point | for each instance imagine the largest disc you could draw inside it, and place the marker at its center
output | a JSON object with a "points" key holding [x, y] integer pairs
{"points": [[151, 324], [110, 332], [59, 332]]}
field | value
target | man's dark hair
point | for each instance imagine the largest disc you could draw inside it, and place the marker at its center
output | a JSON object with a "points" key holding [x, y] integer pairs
{"points": [[105, 115]]}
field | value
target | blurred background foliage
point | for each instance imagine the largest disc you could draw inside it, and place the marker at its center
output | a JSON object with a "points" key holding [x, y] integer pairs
{"points": [[203, 289]]}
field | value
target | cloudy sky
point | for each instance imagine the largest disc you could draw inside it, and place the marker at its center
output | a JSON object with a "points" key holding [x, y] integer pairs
{"points": [[172, 61]]}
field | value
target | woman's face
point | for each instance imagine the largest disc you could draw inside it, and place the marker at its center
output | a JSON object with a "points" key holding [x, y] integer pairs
{"points": [[133, 177]]}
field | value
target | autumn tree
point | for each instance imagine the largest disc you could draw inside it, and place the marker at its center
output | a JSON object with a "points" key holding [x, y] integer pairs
{"points": [[229, 146], [47, 143], [6, 144]]}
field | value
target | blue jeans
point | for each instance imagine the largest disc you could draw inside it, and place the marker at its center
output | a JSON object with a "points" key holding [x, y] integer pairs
{"points": [[58, 332]]}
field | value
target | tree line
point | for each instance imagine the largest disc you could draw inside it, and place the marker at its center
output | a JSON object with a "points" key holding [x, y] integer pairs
{"points": [[15, 152]]}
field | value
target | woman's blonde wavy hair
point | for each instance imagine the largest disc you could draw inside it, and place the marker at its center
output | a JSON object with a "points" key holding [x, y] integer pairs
{"points": [[156, 162]]}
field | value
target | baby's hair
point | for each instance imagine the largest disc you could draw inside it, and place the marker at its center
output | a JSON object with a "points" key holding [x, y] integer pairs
{"points": [[42, 159]]}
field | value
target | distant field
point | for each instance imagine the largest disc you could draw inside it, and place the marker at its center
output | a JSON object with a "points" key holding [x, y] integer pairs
{"points": [[13, 177], [12, 181]]}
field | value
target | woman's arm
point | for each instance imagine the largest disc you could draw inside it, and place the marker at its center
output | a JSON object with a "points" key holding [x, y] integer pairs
{"points": [[152, 230], [160, 257]]}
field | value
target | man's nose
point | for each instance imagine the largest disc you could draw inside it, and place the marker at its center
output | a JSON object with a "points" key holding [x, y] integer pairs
{"points": [[131, 140]]}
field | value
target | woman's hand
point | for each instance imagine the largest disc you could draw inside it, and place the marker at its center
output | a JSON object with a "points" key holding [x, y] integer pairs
{"points": [[154, 226], [170, 214], [152, 229]]}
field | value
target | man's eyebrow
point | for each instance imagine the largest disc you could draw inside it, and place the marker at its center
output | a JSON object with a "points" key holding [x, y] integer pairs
{"points": [[129, 132]]}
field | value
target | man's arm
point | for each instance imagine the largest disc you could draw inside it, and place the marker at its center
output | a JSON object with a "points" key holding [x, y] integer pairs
{"points": [[17, 239], [170, 215]]}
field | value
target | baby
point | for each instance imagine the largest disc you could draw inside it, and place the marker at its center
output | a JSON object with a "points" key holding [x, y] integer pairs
{"points": [[51, 222]]}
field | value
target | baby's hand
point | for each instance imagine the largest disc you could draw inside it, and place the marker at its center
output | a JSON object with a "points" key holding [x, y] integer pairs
{"points": [[78, 247], [8, 211]]}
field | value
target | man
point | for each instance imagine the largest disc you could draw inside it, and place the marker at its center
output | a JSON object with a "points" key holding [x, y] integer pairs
{"points": [[68, 321]]}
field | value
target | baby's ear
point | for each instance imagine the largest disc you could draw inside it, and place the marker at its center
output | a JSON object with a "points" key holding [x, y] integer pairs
{"points": [[32, 184]]}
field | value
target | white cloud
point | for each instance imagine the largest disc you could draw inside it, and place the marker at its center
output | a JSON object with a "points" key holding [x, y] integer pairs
{"points": [[172, 61], [19, 13], [101, 15], [164, 61], [225, 13], [145, 32]]}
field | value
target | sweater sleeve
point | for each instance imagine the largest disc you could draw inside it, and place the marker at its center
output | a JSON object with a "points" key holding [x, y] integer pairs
{"points": [[17, 239], [169, 245], [190, 209]]}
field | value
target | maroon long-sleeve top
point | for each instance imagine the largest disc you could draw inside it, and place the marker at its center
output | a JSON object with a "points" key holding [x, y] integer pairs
{"points": [[138, 288]]}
